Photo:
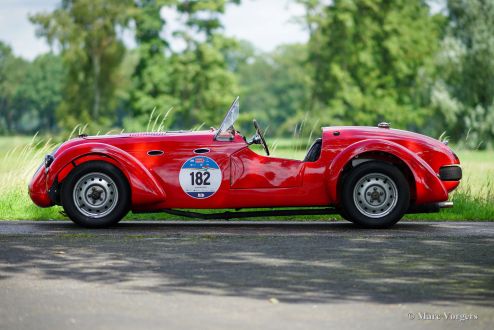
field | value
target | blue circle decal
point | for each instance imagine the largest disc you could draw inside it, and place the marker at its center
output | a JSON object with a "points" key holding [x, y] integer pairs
{"points": [[200, 177]]}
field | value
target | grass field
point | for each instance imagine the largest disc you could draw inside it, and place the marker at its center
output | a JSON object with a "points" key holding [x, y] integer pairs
{"points": [[474, 199]]}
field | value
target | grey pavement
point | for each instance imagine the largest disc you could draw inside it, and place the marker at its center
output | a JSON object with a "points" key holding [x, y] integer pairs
{"points": [[246, 275]]}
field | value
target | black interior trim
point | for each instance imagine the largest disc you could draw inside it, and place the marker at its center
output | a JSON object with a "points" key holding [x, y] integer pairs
{"points": [[314, 151]]}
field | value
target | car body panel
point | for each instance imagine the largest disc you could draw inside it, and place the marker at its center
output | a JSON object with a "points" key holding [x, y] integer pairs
{"points": [[152, 163], [38, 190], [424, 155], [428, 187], [251, 170], [144, 186]]}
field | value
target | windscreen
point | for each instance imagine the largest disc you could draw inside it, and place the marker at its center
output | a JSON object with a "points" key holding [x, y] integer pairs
{"points": [[230, 118]]}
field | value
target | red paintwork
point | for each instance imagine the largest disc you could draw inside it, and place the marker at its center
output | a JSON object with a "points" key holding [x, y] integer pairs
{"points": [[38, 189], [250, 170], [249, 179]]}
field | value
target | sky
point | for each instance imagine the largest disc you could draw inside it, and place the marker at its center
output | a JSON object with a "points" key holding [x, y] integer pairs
{"points": [[265, 23]]}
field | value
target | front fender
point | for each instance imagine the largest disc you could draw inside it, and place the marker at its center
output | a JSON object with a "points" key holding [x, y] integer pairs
{"points": [[428, 186], [144, 187]]}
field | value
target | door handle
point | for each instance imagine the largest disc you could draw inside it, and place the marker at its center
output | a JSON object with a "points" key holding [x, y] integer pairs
{"points": [[155, 152], [201, 151]]}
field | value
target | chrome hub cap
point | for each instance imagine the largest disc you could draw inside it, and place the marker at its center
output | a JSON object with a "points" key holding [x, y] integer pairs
{"points": [[95, 195], [375, 195]]}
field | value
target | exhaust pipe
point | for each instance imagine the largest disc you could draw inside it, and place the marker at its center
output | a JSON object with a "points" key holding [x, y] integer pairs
{"points": [[445, 205]]}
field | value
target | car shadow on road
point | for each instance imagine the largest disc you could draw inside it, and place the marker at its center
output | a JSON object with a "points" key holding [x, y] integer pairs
{"points": [[302, 268]]}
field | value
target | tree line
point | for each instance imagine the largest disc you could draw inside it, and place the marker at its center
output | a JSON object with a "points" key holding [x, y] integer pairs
{"points": [[366, 61]]}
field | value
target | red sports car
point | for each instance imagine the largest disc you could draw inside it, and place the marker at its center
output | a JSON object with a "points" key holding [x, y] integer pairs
{"points": [[372, 176]]}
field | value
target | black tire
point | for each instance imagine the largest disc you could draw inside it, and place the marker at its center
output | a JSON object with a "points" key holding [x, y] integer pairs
{"points": [[374, 186], [341, 211], [344, 214], [96, 177]]}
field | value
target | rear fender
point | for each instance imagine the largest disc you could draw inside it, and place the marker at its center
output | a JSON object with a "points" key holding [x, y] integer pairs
{"points": [[144, 187], [428, 186]]}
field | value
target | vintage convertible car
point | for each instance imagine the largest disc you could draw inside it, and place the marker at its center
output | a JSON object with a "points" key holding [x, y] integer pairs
{"points": [[372, 176]]}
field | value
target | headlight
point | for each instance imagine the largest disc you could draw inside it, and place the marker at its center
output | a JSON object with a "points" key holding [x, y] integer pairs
{"points": [[50, 157], [48, 160]]}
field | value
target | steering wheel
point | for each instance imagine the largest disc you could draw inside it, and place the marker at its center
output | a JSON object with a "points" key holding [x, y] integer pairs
{"points": [[261, 137]]}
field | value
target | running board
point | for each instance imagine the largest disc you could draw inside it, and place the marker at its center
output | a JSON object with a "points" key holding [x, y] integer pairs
{"points": [[246, 214]]}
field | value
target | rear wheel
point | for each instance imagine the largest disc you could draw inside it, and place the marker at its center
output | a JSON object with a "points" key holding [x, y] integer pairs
{"points": [[375, 195], [95, 194]]}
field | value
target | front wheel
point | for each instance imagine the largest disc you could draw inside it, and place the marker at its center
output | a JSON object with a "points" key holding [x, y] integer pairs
{"points": [[95, 194], [375, 195]]}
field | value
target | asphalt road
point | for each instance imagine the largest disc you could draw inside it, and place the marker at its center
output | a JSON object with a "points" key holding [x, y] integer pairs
{"points": [[211, 275]]}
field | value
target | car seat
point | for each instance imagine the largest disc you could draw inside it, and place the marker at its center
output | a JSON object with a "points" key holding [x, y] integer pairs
{"points": [[314, 151]]}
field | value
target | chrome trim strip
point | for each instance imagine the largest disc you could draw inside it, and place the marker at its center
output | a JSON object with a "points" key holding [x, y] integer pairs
{"points": [[452, 165]]}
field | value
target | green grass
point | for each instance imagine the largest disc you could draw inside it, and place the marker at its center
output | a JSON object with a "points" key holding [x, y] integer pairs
{"points": [[474, 199]]}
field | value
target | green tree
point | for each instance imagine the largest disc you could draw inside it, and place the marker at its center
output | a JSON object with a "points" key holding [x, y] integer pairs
{"points": [[368, 58], [12, 72], [275, 87], [87, 33], [40, 93], [464, 91], [200, 77], [195, 81], [151, 80]]}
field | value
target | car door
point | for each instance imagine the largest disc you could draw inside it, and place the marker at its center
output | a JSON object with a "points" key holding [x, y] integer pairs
{"points": [[250, 170]]}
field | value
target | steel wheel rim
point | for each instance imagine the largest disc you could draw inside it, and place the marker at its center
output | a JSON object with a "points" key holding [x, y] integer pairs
{"points": [[95, 195], [375, 195]]}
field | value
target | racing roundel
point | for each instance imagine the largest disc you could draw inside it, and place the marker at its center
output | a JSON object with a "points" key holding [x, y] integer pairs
{"points": [[200, 177]]}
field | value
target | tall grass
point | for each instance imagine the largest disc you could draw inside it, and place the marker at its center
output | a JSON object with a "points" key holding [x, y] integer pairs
{"points": [[474, 199], [23, 156], [18, 165]]}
